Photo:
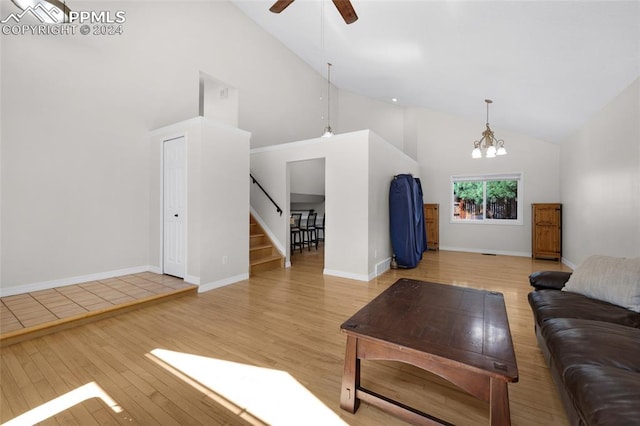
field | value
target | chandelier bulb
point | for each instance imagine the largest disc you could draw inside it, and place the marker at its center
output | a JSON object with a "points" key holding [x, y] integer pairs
{"points": [[491, 151]]}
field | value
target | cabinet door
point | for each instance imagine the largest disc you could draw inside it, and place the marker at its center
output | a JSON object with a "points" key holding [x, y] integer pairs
{"points": [[431, 219], [546, 231], [547, 216], [546, 240]]}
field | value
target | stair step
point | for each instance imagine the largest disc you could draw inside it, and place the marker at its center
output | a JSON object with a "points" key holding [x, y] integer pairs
{"points": [[263, 256], [266, 259], [258, 240], [266, 263], [261, 251], [260, 247]]}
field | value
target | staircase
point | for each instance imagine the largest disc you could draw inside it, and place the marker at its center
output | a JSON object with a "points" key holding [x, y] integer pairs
{"points": [[263, 256]]}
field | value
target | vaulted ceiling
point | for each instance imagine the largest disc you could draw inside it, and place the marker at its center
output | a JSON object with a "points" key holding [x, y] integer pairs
{"points": [[547, 65]]}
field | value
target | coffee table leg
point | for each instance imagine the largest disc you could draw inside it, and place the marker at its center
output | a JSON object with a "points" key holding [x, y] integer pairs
{"points": [[350, 377], [499, 403]]}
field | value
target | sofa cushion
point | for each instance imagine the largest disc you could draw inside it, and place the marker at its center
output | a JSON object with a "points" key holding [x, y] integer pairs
{"points": [[574, 341], [604, 395], [548, 304], [611, 279], [549, 279]]}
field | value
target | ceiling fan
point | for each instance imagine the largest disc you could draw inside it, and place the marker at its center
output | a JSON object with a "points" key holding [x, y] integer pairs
{"points": [[344, 7]]}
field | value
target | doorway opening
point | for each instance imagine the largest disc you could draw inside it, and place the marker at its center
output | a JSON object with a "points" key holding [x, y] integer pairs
{"points": [[306, 208]]}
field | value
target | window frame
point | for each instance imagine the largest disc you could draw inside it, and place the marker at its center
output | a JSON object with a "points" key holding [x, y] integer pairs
{"points": [[484, 178]]}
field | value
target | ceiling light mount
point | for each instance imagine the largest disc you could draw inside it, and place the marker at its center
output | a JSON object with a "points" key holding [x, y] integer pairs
{"points": [[488, 143]]}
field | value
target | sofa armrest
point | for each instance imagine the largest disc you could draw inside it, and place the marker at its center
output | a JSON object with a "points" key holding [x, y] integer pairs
{"points": [[549, 279]]}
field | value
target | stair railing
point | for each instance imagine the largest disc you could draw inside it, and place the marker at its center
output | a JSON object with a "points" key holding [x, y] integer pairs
{"points": [[253, 180]]}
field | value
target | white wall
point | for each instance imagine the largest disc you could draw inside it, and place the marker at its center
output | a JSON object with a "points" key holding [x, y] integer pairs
{"points": [[600, 175], [224, 230], [218, 101], [356, 112], [346, 165], [217, 213], [385, 161], [444, 145], [411, 132], [307, 189], [307, 177], [355, 195], [76, 113]]}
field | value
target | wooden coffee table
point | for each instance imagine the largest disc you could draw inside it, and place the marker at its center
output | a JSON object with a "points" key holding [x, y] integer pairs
{"points": [[457, 333]]}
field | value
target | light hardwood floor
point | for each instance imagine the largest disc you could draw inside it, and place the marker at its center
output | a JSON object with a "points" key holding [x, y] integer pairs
{"points": [[257, 351]]}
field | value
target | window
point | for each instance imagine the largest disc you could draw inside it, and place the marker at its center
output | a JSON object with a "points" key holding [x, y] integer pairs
{"points": [[487, 199]]}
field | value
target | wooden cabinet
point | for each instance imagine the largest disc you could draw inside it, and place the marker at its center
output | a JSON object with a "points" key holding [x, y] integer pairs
{"points": [[432, 225], [546, 231]]}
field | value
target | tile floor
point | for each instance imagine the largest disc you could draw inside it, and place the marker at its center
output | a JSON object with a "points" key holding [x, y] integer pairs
{"points": [[39, 307]]}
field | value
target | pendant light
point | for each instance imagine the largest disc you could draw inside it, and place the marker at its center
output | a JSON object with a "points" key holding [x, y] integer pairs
{"points": [[328, 132], [489, 144]]}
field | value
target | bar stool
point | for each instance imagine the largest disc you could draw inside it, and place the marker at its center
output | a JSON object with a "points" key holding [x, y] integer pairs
{"points": [[320, 227], [310, 231], [296, 232]]}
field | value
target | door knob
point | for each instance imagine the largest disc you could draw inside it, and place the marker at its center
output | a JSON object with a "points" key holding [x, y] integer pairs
{"points": [[175, 215]]}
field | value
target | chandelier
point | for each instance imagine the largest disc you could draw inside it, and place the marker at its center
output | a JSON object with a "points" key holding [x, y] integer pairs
{"points": [[489, 144]]}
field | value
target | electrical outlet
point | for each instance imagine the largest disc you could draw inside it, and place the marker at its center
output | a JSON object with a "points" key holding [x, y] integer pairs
{"points": [[225, 259]]}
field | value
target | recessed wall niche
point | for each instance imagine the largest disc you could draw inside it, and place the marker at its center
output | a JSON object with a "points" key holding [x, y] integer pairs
{"points": [[218, 101]]}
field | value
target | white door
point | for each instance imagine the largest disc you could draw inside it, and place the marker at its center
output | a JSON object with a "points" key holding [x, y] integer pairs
{"points": [[174, 196]]}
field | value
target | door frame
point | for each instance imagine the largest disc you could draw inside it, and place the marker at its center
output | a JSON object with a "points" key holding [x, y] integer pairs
{"points": [[287, 209], [168, 138]]}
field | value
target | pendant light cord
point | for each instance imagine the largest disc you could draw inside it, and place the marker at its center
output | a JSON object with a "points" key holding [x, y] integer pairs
{"points": [[487, 113], [329, 94], [488, 101], [322, 30], [324, 58]]}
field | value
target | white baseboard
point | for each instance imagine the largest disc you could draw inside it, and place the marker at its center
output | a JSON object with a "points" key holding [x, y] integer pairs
{"points": [[487, 251], [155, 269], [191, 279], [348, 275], [46, 285], [222, 283], [379, 269], [568, 263]]}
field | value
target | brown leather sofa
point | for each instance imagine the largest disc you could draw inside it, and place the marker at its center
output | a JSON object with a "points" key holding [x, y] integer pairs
{"points": [[592, 349]]}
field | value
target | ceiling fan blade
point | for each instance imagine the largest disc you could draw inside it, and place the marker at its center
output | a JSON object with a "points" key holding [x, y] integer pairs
{"points": [[280, 5], [346, 10]]}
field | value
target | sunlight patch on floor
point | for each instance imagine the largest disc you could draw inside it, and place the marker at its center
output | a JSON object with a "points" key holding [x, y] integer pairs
{"points": [[258, 395], [62, 403]]}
